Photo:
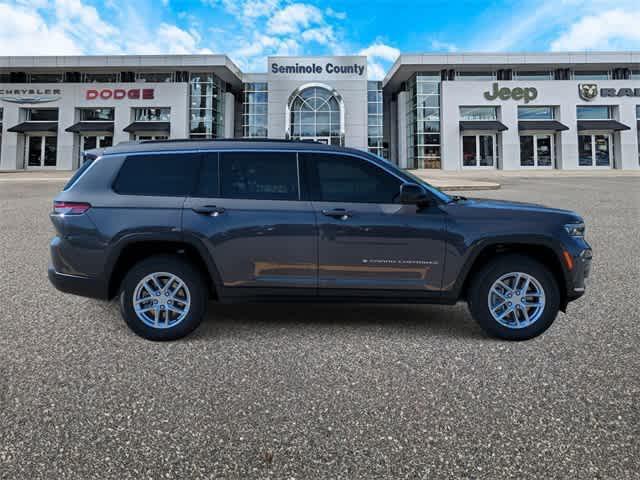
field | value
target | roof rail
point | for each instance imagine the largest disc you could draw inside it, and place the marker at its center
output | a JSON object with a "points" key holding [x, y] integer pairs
{"points": [[256, 140]]}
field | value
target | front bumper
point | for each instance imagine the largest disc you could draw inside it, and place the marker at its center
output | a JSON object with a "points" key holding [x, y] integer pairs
{"points": [[579, 274]]}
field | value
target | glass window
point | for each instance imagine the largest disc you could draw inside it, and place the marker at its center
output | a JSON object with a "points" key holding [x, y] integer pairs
{"points": [[168, 175], [423, 120], [534, 75], [485, 150], [340, 178], [591, 75], [536, 113], [637, 112], [478, 113], [544, 150], [42, 114], [101, 77], [315, 112], [527, 155], [603, 150], [157, 77], [259, 175], [152, 114], [206, 101], [635, 75], [209, 179], [96, 114], [45, 77], [476, 75], [585, 150], [594, 112]]}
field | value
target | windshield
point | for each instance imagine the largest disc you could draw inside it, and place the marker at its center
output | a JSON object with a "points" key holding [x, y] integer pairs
{"points": [[410, 177]]}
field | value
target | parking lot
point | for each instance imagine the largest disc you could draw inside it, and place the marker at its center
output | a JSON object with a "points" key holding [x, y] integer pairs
{"points": [[323, 391]]}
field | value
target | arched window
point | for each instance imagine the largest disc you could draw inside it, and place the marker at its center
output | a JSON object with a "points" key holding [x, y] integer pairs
{"points": [[315, 112]]}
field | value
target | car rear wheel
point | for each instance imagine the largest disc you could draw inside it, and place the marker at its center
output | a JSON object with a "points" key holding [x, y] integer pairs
{"points": [[163, 298], [514, 297]]}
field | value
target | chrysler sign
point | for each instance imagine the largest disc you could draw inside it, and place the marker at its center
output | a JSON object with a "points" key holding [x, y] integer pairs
{"points": [[120, 94], [30, 95]]}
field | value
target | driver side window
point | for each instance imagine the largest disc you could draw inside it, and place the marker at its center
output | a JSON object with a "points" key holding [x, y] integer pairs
{"points": [[346, 179]]}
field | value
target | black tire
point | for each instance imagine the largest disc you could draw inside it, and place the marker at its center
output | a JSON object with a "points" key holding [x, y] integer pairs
{"points": [[483, 280], [187, 273]]}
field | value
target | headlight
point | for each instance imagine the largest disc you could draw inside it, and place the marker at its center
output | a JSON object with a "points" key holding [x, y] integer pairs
{"points": [[575, 229]]}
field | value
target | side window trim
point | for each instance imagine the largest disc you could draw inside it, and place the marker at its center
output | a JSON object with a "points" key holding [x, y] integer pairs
{"points": [[127, 156], [240, 150], [314, 182]]}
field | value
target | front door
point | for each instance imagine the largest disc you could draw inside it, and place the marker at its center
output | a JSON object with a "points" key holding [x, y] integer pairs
{"points": [[367, 240], [537, 150], [595, 150], [248, 212], [479, 150], [41, 151]]}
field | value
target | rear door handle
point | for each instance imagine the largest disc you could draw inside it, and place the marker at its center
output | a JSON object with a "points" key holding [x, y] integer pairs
{"points": [[210, 210], [340, 213]]}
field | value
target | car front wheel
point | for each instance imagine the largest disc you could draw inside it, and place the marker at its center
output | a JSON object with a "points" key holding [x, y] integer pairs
{"points": [[163, 298], [514, 297]]}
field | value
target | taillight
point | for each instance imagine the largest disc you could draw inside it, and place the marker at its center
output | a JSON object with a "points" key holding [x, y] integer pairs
{"points": [[70, 208]]}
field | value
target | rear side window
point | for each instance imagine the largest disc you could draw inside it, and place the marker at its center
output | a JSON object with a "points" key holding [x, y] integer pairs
{"points": [[170, 175], [209, 179], [259, 175], [342, 178], [88, 160]]}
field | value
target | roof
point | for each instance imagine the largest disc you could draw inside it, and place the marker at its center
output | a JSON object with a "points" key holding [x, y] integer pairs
{"points": [[221, 65], [223, 144], [407, 64]]}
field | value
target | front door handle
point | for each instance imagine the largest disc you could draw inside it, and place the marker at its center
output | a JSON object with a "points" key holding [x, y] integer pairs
{"points": [[340, 213], [210, 210]]}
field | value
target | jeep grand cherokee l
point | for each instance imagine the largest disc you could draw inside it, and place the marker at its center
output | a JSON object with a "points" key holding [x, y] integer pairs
{"points": [[166, 226]]}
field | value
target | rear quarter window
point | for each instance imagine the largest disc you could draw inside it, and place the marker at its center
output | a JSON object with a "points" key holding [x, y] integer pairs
{"points": [[170, 175]]}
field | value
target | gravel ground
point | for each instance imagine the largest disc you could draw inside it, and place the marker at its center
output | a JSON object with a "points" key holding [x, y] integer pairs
{"points": [[295, 391]]}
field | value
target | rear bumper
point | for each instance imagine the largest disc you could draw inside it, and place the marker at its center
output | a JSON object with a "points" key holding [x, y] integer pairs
{"points": [[83, 286]]}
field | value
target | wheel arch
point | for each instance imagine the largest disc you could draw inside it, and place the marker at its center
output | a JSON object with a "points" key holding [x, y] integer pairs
{"points": [[135, 248], [541, 250]]}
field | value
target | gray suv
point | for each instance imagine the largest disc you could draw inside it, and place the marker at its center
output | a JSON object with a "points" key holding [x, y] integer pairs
{"points": [[166, 226]]}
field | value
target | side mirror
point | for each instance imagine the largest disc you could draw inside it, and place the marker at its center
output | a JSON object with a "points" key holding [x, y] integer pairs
{"points": [[412, 194]]}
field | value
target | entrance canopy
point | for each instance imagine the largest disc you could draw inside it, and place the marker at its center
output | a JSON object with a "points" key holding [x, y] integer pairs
{"points": [[484, 125], [147, 127], [542, 125], [27, 127], [611, 125], [81, 127]]}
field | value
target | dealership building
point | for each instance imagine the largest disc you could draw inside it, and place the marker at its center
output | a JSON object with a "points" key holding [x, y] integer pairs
{"points": [[452, 112]]}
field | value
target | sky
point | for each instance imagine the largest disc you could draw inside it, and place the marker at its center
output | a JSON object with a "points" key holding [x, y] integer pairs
{"points": [[250, 30]]}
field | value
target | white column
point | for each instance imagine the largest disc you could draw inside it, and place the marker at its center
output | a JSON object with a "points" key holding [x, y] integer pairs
{"points": [[10, 152], [626, 155], [392, 128], [66, 156], [510, 152], [568, 149], [229, 114], [402, 130]]}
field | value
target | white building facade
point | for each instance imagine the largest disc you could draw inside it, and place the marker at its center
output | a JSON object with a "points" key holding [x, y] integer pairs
{"points": [[453, 112]]}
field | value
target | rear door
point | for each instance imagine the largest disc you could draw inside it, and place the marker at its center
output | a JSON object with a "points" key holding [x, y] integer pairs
{"points": [[367, 240], [248, 212]]}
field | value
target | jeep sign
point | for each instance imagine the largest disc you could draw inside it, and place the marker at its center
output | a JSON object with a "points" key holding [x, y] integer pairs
{"points": [[517, 93]]}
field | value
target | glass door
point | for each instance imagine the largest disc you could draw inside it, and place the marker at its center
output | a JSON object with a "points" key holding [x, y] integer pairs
{"points": [[595, 150], [537, 150], [479, 150], [41, 151]]}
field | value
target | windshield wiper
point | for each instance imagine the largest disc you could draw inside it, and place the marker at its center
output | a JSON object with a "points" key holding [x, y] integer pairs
{"points": [[457, 198]]}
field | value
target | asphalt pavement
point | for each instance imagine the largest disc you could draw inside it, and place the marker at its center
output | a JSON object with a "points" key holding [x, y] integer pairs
{"points": [[323, 391]]}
